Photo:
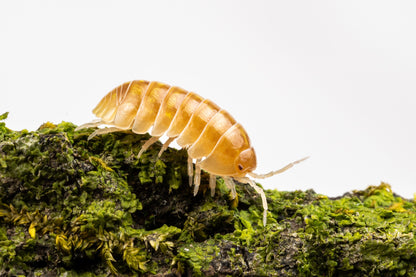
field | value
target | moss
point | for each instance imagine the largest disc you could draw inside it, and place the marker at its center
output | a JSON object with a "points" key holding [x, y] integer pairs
{"points": [[73, 207]]}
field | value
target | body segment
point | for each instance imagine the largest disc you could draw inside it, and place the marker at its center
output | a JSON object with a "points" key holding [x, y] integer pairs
{"points": [[167, 110]]}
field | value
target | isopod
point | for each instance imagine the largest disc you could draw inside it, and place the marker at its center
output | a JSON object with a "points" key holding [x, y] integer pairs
{"points": [[218, 144]]}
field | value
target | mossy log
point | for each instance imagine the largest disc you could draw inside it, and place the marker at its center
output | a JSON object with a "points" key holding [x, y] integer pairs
{"points": [[73, 207]]}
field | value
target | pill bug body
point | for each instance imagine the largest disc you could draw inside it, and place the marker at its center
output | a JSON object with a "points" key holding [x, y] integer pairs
{"points": [[210, 134]]}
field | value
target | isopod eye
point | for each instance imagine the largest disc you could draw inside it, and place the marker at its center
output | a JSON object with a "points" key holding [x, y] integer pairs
{"points": [[245, 162]]}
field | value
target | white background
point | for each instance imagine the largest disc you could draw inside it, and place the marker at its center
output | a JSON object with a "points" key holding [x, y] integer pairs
{"points": [[331, 79]]}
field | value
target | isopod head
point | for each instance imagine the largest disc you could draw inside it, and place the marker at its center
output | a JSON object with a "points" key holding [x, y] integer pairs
{"points": [[232, 156], [246, 162]]}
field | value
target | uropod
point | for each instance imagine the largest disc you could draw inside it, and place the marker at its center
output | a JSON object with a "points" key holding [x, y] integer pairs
{"points": [[218, 144]]}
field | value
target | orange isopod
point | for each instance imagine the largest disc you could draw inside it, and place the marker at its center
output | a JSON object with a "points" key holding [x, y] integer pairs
{"points": [[210, 134]]}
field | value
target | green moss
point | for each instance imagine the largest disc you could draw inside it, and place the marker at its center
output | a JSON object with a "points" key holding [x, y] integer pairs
{"points": [[73, 207], [198, 256]]}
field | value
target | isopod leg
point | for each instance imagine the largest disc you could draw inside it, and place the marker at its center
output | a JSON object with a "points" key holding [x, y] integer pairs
{"points": [[92, 124], [260, 191], [165, 146], [212, 183], [146, 145], [231, 186], [190, 170], [104, 131], [197, 180]]}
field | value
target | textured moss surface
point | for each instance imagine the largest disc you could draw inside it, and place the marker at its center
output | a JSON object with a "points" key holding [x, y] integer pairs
{"points": [[72, 207]]}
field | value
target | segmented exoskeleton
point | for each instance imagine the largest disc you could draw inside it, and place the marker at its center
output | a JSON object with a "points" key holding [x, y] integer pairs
{"points": [[210, 134]]}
